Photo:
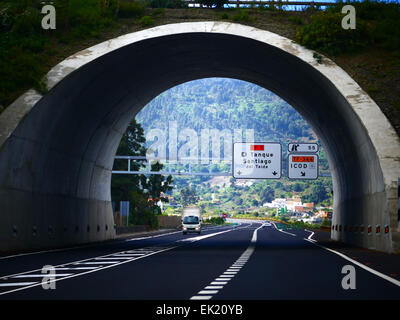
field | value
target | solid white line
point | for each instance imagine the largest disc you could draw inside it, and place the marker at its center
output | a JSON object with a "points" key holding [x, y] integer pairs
{"points": [[193, 239], [116, 258], [377, 273], [156, 236], [77, 268], [43, 275], [16, 284], [129, 255], [283, 231], [98, 262]]}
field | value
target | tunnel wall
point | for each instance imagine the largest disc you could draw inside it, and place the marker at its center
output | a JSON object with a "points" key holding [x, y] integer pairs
{"points": [[57, 150]]}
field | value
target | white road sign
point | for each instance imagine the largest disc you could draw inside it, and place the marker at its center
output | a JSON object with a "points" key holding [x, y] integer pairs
{"points": [[257, 160], [302, 166], [302, 147]]}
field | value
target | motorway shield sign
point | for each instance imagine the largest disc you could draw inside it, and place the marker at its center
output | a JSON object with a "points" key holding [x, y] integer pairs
{"points": [[257, 160], [303, 147], [303, 166]]}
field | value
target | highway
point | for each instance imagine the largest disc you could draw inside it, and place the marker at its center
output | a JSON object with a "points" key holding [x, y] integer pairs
{"points": [[248, 261]]}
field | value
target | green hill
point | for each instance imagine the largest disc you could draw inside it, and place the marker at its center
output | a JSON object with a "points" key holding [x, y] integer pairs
{"points": [[228, 104]]}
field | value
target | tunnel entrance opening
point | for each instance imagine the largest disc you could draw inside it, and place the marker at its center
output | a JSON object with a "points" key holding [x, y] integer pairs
{"points": [[57, 151], [191, 129]]}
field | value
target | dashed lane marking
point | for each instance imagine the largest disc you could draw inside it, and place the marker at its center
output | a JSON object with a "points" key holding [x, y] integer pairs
{"points": [[222, 280]]}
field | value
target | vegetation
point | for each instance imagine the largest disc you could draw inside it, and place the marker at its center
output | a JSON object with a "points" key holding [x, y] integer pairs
{"points": [[143, 193], [25, 48], [227, 103], [377, 24], [216, 220]]}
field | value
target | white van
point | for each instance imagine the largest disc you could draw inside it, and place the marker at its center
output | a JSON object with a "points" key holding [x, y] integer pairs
{"points": [[191, 220]]}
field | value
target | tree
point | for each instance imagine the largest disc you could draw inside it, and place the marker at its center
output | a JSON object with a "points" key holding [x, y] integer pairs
{"points": [[156, 184], [188, 196], [143, 193], [298, 187], [131, 144], [267, 195], [318, 194]]}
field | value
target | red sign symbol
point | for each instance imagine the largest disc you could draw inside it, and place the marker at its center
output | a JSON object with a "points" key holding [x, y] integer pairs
{"points": [[257, 147]]}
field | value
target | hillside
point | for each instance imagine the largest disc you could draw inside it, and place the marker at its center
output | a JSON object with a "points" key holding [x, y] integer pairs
{"points": [[227, 104], [27, 52]]}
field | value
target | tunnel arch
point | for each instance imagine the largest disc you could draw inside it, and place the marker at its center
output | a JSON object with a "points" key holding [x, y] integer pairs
{"points": [[57, 150]]}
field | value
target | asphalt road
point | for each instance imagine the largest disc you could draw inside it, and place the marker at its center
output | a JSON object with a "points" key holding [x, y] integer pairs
{"points": [[250, 261]]}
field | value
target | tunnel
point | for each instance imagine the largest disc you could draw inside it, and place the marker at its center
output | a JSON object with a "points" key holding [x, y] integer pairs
{"points": [[57, 150]]}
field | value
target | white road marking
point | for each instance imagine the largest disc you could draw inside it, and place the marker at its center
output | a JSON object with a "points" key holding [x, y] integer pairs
{"points": [[377, 273], [208, 292], [114, 264], [77, 268], [218, 282], [201, 298], [43, 275], [16, 284], [222, 279], [213, 287], [114, 258], [310, 236], [193, 239], [96, 262], [283, 231], [230, 273]]}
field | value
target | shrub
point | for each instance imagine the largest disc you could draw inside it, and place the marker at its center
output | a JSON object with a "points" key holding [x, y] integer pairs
{"points": [[84, 12], [242, 16], [325, 33], [296, 19], [146, 21], [133, 9], [158, 11], [224, 16], [216, 220]]}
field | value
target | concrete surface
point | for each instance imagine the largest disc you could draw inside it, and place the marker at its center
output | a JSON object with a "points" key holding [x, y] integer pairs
{"points": [[57, 151]]}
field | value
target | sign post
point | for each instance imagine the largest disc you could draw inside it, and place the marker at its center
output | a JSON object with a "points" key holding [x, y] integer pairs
{"points": [[257, 160], [124, 211]]}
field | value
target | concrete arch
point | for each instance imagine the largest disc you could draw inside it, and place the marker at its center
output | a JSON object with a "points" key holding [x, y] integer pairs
{"points": [[57, 151]]}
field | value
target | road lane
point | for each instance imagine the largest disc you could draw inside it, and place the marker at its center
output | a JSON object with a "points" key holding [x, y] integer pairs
{"points": [[23, 263], [172, 274], [226, 265], [288, 267]]}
